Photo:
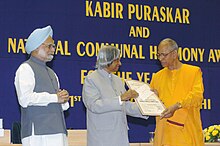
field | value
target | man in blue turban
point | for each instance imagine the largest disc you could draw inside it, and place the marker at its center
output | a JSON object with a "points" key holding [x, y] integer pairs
{"points": [[40, 97]]}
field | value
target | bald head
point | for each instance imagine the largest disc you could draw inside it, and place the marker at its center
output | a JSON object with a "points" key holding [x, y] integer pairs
{"points": [[169, 43]]}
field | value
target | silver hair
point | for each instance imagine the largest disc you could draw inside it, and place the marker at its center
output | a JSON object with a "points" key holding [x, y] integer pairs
{"points": [[107, 54], [171, 43]]}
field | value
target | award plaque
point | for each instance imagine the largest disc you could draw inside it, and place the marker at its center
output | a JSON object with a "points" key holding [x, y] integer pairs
{"points": [[147, 101]]}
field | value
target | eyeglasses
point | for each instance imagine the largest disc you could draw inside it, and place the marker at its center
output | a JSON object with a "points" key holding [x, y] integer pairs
{"points": [[164, 54], [50, 46]]}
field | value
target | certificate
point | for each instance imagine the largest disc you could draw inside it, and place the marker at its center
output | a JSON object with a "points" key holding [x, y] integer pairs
{"points": [[147, 101]]}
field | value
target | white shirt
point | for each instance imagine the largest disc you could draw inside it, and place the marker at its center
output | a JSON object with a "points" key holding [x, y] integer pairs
{"points": [[24, 84]]}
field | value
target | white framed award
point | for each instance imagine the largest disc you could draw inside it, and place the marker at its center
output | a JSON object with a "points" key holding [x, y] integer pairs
{"points": [[147, 101]]}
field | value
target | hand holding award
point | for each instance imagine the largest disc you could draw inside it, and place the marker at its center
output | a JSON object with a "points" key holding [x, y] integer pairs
{"points": [[147, 101]]}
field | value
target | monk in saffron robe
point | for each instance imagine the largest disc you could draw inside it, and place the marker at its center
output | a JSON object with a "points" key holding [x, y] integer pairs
{"points": [[180, 88]]}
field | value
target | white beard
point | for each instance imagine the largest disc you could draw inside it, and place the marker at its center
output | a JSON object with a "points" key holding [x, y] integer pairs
{"points": [[49, 57], [46, 57]]}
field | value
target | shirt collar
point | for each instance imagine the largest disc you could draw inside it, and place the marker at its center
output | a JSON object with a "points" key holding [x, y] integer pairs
{"points": [[105, 73], [36, 60]]}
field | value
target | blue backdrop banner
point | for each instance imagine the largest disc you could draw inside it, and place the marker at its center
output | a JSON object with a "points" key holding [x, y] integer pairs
{"points": [[81, 27]]}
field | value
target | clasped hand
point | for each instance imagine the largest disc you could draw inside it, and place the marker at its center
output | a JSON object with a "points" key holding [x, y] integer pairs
{"points": [[129, 94], [63, 96]]}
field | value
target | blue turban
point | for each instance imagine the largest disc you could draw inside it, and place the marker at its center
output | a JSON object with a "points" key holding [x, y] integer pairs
{"points": [[37, 37]]}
